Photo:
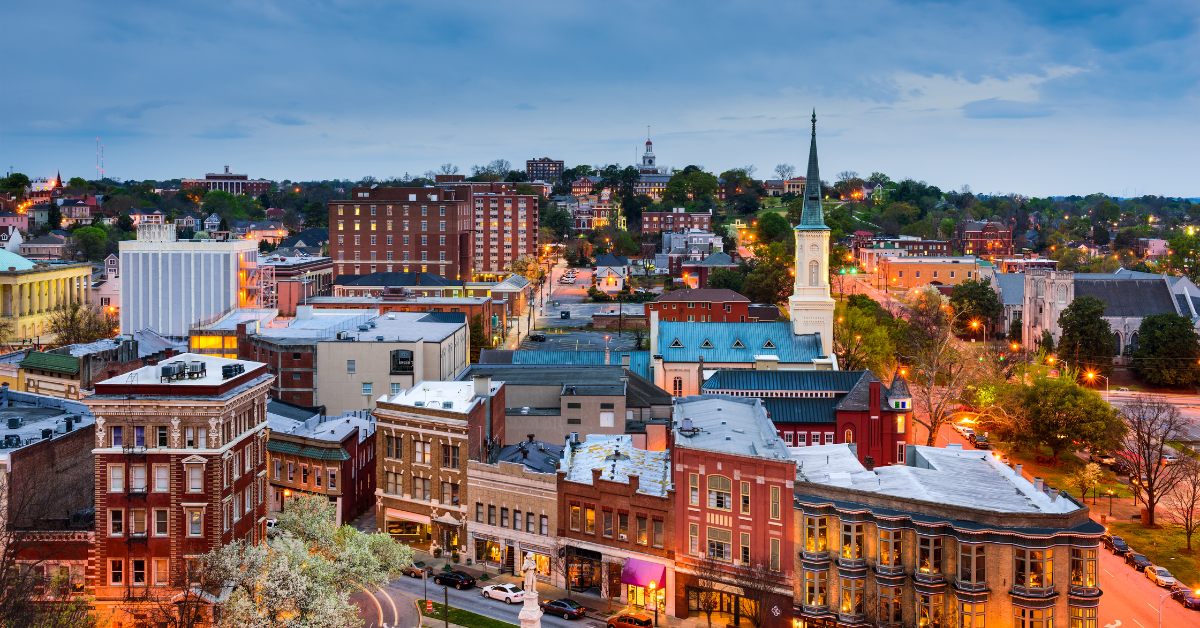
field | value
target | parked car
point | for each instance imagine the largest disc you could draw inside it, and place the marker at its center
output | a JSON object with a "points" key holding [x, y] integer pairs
{"points": [[631, 620], [1138, 561], [1116, 544], [456, 579], [1102, 457], [567, 609], [1187, 597], [1120, 468], [537, 337], [979, 441], [1160, 576], [508, 592], [416, 570]]}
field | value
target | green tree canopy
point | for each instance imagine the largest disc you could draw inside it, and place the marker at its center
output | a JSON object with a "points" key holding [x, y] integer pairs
{"points": [[690, 185], [726, 278], [1168, 352], [772, 226], [771, 279], [861, 341], [1060, 414], [977, 301], [1086, 342], [91, 241]]}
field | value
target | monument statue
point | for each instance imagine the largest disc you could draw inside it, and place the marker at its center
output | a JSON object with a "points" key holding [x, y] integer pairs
{"points": [[531, 613]]}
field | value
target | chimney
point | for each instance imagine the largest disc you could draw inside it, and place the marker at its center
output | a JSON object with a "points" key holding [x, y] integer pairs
{"points": [[1053, 494], [1018, 469], [635, 482], [596, 475], [869, 463], [483, 385], [1038, 483], [607, 360], [873, 387], [530, 437]]}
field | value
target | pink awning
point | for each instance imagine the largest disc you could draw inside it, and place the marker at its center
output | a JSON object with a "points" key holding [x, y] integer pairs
{"points": [[642, 573]]}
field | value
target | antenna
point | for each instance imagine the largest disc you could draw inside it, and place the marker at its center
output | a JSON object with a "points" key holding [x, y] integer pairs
{"points": [[98, 158]]}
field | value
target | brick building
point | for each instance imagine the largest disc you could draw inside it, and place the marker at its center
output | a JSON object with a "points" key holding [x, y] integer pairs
{"points": [[544, 169], [227, 181], [737, 506], [616, 512], [984, 238], [677, 220], [425, 436], [180, 465], [708, 304], [916, 272]]}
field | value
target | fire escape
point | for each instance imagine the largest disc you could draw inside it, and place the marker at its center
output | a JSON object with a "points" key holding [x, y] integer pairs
{"points": [[256, 284], [135, 497]]}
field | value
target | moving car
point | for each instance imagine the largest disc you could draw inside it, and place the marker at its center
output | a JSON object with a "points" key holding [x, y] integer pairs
{"points": [[1116, 544], [1169, 459], [979, 441], [456, 579], [416, 570], [537, 337], [1138, 561], [567, 609], [1102, 457], [508, 592], [1160, 576], [966, 432], [1187, 597], [631, 620]]}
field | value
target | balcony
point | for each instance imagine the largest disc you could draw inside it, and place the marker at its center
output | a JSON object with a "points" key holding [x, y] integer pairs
{"points": [[136, 539], [970, 587]]}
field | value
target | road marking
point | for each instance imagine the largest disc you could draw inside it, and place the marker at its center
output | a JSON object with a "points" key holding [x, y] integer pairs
{"points": [[395, 613], [1115, 624], [1110, 575], [378, 608], [1138, 623]]}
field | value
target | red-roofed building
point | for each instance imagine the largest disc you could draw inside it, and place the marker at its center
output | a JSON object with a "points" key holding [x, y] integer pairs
{"points": [[704, 305]]}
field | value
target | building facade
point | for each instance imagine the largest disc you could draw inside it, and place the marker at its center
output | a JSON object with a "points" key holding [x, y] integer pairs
{"points": [[987, 239], [227, 181], [544, 169], [329, 456], [917, 272], [30, 292], [714, 305], [676, 220]]}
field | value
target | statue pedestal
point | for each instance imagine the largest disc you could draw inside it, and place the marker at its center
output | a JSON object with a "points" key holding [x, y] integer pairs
{"points": [[531, 613]]}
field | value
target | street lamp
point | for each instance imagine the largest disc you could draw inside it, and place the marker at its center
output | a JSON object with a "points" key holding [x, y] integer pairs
{"points": [[654, 597], [286, 494], [1110, 500], [1093, 376]]}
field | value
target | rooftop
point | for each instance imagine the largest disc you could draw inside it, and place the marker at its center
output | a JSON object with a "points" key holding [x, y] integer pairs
{"points": [[391, 327], [639, 361], [618, 459], [715, 295], [736, 425], [211, 375], [535, 455], [735, 342], [331, 429], [950, 476], [33, 414], [743, 379], [454, 395]]}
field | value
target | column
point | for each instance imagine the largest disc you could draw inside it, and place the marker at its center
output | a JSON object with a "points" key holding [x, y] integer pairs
{"points": [[18, 294]]}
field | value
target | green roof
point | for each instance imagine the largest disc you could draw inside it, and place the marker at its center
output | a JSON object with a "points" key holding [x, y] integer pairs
{"points": [[318, 453], [51, 362]]}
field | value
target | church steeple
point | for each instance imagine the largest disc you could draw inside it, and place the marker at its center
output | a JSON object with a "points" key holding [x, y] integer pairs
{"points": [[813, 217]]}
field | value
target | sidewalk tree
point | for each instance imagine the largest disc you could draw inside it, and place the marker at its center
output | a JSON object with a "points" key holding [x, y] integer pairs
{"points": [[760, 585], [1086, 341], [860, 341], [610, 587], [710, 574], [1086, 478], [1168, 352], [1181, 505], [1152, 423]]}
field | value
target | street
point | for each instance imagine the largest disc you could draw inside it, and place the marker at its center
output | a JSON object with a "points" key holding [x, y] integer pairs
{"points": [[570, 298], [1130, 599]]}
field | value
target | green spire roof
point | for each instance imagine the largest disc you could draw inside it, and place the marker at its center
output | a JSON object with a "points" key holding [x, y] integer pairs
{"points": [[812, 217]]}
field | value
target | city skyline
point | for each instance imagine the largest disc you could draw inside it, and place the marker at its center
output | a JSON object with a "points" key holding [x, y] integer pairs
{"points": [[1009, 98]]}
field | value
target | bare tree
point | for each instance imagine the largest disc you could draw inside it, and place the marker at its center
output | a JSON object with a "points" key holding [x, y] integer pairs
{"points": [[560, 561], [500, 166], [1182, 501], [1152, 423], [749, 170], [710, 574], [847, 175], [186, 602], [80, 323], [448, 168], [610, 587], [760, 587], [431, 175], [785, 171]]}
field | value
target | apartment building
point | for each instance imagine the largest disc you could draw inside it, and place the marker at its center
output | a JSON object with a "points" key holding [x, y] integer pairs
{"points": [[676, 220], [180, 469], [424, 438], [985, 238], [544, 169], [952, 538], [709, 304], [506, 228]]}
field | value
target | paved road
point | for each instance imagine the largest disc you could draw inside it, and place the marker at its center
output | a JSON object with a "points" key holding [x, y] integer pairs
{"points": [[1130, 600], [581, 341], [396, 603], [1188, 405], [570, 298]]}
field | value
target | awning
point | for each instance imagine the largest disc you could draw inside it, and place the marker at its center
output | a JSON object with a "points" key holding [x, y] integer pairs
{"points": [[642, 573], [403, 515]]}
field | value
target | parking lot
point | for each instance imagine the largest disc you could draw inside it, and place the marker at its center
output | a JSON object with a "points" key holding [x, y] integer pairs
{"points": [[580, 341]]}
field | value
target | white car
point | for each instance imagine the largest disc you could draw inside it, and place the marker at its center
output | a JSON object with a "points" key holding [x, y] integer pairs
{"points": [[1160, 576], [510, 593], [966, 432], [1169, 459]]}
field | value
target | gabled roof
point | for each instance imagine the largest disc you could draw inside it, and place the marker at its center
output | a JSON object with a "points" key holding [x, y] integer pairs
{"points": [[1012, 288], [608, 259], [46, 239], [716, 259], [51, 362], [788, 347], [807, 411], [1129, 297], [859, 397]]}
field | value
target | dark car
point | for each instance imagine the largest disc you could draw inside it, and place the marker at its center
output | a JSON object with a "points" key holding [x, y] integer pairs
{"points": [[537, 337], [1138, 561], [1120, 468], [1187, 597], [456, 579], [567, 609], [980, 441], [1116, 544]]}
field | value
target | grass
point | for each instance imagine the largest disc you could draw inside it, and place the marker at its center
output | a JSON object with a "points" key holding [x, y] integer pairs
{"points": [[461, 617], [1183, 448], [1163, 545], [1056, 476]]}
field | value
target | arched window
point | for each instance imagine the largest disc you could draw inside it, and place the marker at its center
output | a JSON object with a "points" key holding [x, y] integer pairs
{"points": [[849, 436], [1117, 343], [813, 251], [813, 270], [720, 492], [677, 387], [1041, 289], [1062, 294]]}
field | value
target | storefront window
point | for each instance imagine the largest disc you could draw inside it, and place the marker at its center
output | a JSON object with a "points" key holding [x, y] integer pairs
{"points": [[488, 551], [543, 565]]}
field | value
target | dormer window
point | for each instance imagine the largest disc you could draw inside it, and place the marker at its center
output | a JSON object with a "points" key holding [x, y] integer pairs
{"points": [[737, 344], [706, 344], [675, 344], [768, 344]]}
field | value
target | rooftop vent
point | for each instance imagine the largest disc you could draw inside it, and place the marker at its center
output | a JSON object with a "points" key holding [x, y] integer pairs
{"points": [[232, 370], [616, 455], [379, 338], [14, 422], [363, 327], [391, 316]]}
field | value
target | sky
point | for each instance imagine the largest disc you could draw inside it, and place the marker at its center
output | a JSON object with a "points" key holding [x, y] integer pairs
{"points": [[1038, 98]]}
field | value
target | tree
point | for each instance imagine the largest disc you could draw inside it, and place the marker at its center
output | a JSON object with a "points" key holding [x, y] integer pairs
{"points": [[1181, 505], [771, 279], [610, 587], [709, 574], [91, 241], [1086, 342], [688, 186], [479, 338], [859, 341], [1086, 478], [946, 228], [54, 216], [1168, 352], [78, 182], [15, 184], [976, 299], [795, 210], [526, 266], [772, 226], [1014, 328], [785, 171], [760, 586], [726, 278], [1061, 413], [1152, 422], [78, 323], [448, 169]]}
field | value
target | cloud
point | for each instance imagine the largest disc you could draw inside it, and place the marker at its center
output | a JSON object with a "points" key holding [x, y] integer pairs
{"points": [[997, 108], [286, 120]]}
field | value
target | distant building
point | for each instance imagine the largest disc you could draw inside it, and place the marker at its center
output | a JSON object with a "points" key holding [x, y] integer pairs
{"points": [[653, 182], [795, 185], [1025, 264], [414, 283], [298, 278], [612, 271], [236, 184], [688, 305], [30, 292], [695, 272], [986, 239], [677, 220], [47, 247], [260, 230], [11, 238], [916, 272], [15, 219], [544, 169], [71, 372]]}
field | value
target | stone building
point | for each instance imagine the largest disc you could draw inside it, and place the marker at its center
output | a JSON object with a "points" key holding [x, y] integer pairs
{"points": [[31, 291]]}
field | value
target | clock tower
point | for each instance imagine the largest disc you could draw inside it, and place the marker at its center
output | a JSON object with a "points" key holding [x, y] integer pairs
{"points": [[810, 305]]}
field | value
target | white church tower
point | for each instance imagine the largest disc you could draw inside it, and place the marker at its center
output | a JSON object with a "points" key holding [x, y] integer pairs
{"points": [[810, 305]]}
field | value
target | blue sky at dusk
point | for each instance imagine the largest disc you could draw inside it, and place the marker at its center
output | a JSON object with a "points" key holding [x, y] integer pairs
{"points": [[1033, 97]]}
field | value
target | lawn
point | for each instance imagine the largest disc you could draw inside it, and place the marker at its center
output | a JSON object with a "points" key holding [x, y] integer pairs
{"points": [[1056, 476], [1162, 546], [463, 618]]}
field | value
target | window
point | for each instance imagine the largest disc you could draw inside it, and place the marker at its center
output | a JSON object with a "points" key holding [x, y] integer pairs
{"points": [[694, 539], [393, 446], [117, 437], [545, 525], [828, 438], [929, 610], [677, 387], [1080, 618], [575, 517], [746, 497], [971, 564], [970, 615], [745, 549], [162, 436], [304, 474], [116, 571], [852, 596], [607, 419], [333, 479], [237, 506], [491, 515], [291, 472], [116, 478], [160, 523], [929, 558], [393, 483], [775, 513], [589, 520], [1033, 618], [450, 493], [278, 468], [162, 572], [478, 512], [139, 571], [421, 452], [116, 523], [517, 520], [530, 523], [816, 537], [503, 517], [195, 479], [889, 605], [607, 529], [900, 453], [623, 526], [774, 555], [450, 456], [1083, 567], [719, 496], [366, 388], [720, 544], [1034, 568], [421, 489], [137, 522], [395, 388], [194, 522], [852, 540], [317, 476], [814, 587], [657, 539], [890, 548], [349, 366]]}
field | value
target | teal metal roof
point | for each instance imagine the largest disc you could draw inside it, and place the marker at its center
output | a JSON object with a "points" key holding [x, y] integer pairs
{"points": [[801, 410], [735, 342], [734, 379], [316, 453], [639, 361], [8, 259]]}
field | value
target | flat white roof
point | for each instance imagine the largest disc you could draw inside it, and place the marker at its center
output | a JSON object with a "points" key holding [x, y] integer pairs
{"points": [[456, 396], [212, 373]]}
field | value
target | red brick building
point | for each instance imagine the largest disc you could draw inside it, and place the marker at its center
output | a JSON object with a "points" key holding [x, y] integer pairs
{"points": [[678, 220], [717, 305], [227, 181], [180, 466], [329, 456], [616, 512], [734, 510], [986, 239]]}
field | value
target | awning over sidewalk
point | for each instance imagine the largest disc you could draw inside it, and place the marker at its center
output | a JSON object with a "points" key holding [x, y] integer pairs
{"points": [[641, 573]]}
